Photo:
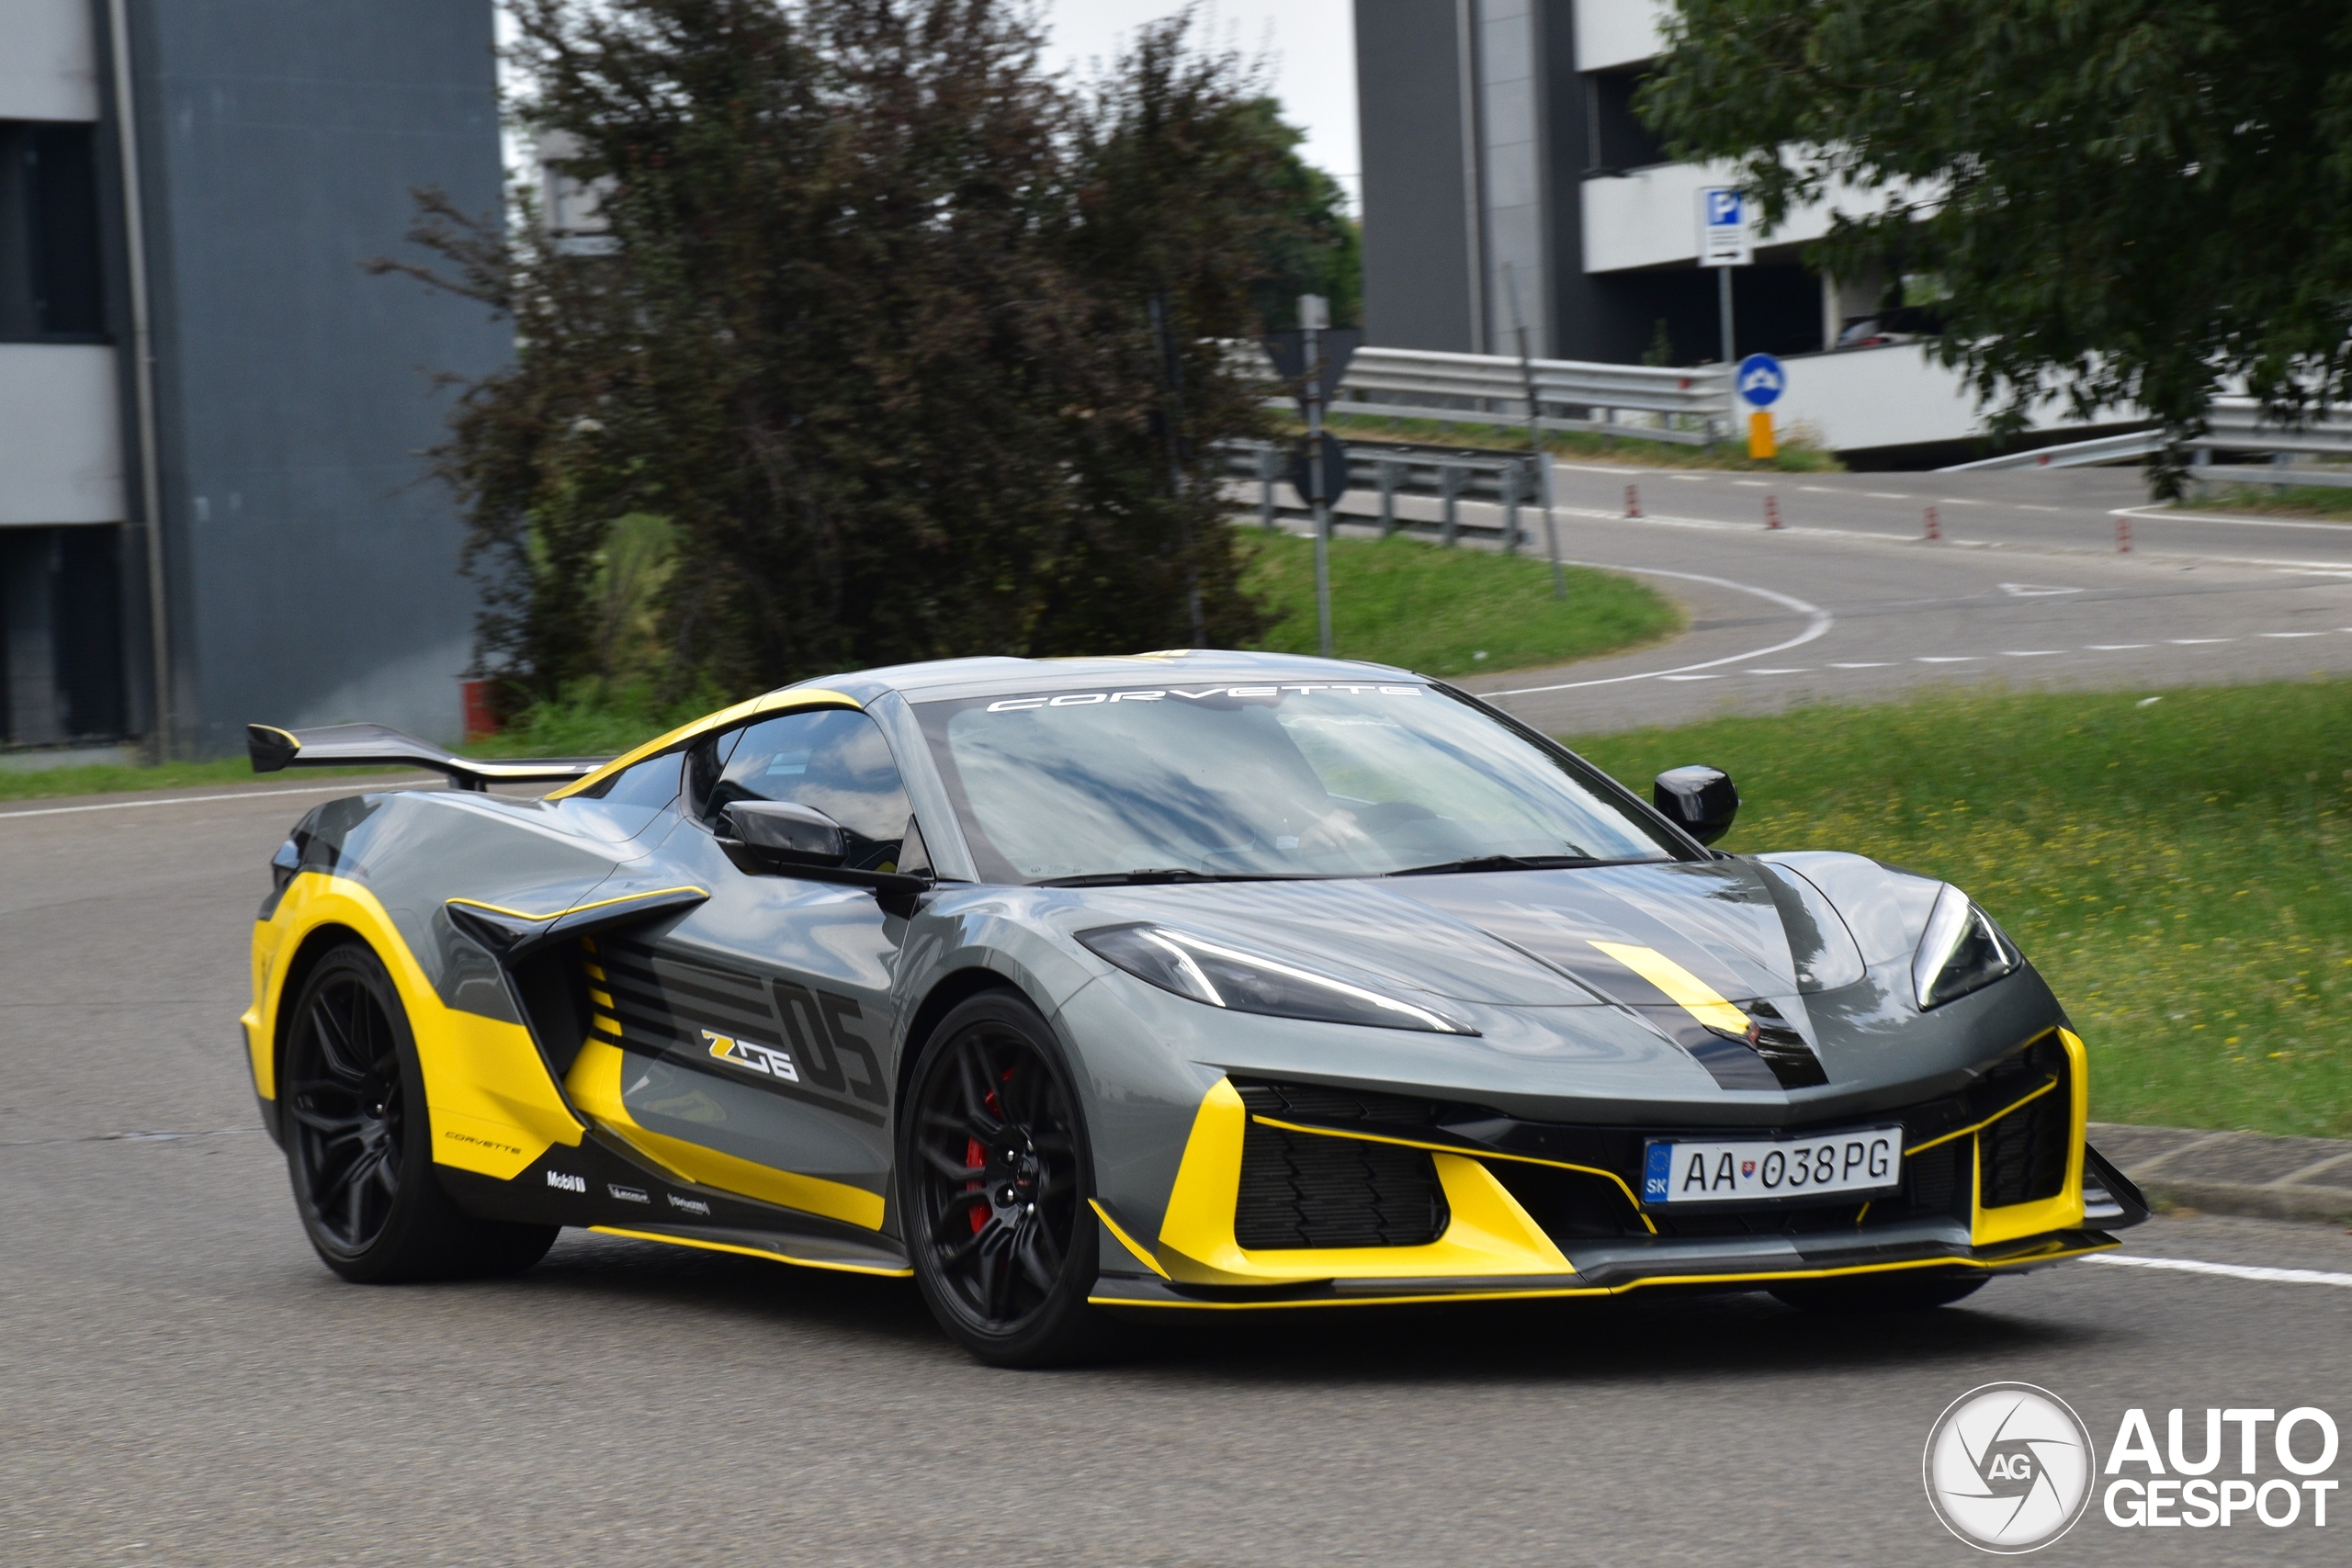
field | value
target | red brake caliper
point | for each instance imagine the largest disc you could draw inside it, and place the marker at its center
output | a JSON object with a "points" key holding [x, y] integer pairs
{"points": [[973, 1155]]}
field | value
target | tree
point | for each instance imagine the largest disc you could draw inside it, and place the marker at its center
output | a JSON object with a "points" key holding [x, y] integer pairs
{"points": [[2129, 201], [878, 336]]}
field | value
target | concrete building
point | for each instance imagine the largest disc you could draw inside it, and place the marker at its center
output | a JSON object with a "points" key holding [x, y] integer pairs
{"points": [[213, 505], [1508, 185]]}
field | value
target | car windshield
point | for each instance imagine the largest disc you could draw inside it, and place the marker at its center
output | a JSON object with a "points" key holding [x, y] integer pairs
{"points": [[1296, 780]]}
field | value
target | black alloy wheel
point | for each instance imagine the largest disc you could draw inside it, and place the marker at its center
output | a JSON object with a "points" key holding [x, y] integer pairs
{"points": [[359, 1141], [994, 1179], [345, 1109]]}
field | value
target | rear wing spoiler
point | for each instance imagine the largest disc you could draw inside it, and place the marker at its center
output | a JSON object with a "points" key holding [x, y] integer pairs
{"points": [[376, 745]]}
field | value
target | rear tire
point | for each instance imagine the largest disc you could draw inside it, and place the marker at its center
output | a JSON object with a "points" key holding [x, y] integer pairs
{"points": [[994, 1178], [359, 1140], [1868, 1294]]}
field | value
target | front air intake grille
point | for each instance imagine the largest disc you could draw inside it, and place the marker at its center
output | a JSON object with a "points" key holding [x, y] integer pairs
{"points": [[1302, 1189], [2024, 1153]]}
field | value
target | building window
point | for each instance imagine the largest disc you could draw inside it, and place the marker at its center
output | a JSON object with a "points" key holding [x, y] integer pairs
{"points": [[51, 280], [1615, 139]]}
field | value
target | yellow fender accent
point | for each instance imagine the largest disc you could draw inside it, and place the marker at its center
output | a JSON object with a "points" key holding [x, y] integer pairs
{"points": [[493, 1107], [1489, 1233], [2063, 1212], [774, 701], [594, 1083]]}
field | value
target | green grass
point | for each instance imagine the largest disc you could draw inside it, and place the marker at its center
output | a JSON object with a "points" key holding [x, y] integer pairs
{"points": [[2286, 501], [106, 778], [1795, 456], [2179, 871], [1443, 612]]}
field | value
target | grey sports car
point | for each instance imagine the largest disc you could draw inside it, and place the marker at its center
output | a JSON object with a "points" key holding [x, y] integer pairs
{"points": [[1110, 987]]}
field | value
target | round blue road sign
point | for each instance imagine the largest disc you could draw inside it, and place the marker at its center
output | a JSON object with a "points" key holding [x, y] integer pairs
{"points": [[1760, 379]]}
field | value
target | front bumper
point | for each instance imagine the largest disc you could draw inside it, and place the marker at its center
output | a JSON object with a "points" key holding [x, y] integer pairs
{"points": [[1292, 1195]]}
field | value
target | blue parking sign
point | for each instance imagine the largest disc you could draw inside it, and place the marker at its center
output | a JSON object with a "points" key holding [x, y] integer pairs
{"points": [[1724, 208], [1761, 380]]}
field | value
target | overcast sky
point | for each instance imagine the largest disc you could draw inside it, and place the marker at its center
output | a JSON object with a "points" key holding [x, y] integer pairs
{"points": [[1309, 45]]}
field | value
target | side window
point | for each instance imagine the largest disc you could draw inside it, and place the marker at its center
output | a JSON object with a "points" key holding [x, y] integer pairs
{"points": [[623, 804], [833, 759]]}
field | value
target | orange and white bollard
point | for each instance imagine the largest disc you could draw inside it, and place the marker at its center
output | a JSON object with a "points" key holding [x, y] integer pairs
{"points": [[1632, 501], [1934, 529], [1771, 512], [2122, 535]]}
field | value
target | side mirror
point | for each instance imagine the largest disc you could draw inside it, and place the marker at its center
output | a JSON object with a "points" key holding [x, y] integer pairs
{"points": [[783, 834], [1701, 800]]}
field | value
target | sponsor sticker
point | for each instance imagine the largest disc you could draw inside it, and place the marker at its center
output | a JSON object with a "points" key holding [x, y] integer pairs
{"points": [[627, 1194], [567, 1181], [688, 1205]]}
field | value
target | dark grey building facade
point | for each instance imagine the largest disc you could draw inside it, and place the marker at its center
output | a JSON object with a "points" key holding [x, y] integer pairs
{"points": [[242, 526], [1508, 183]]}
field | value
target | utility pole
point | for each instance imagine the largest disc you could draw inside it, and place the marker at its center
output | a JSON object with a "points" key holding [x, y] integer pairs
{"points": [[1722, 309], [1314, 317], [1535, 439]]}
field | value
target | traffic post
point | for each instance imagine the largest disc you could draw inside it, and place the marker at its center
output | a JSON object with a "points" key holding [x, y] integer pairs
{"points": [[1760, 382], [1314, 356]]}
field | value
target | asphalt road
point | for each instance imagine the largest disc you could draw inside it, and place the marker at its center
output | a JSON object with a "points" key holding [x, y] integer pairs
{"points": [[1849, 601], [185, 1384]]}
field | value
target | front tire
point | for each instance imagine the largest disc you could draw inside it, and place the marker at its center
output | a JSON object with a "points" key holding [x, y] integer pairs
{"points": [[1871, 1294], [359, 1141], [994, 1178]]}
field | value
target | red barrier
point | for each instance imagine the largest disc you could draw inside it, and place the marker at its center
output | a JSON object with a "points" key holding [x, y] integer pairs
{"points": [[1934, 529], [1632, 501], [2123, 534], [1771, 512], [481, 716]]}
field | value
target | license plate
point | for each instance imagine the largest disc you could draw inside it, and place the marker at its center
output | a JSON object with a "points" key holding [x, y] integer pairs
{"points": [[1688, 1171]]}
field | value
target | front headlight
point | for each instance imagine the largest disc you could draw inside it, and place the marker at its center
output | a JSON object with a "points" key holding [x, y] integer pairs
{"points": [[1222, 976], [1961, 951]]}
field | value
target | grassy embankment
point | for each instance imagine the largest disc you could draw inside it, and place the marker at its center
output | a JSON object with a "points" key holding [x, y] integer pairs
{"points": [[1796, 456], [1396, 600], [2181, 872], [2322, 502]]}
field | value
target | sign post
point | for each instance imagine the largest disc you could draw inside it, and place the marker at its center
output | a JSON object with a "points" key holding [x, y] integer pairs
{"points": [[1760, 379], [1315, 355], [1727, 240]]}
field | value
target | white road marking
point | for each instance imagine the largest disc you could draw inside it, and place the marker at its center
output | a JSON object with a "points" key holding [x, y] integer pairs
{"points": [[1947, 658], [2032, 652], [2227, 1271], [1956, 500], [2291, 634], [1692, 677], [1822, 620], [1694, 478], [2033, 590], [1886, 495], [1821, 489], [1800, 670], [1753, 484], [1868, 664], [2187, 641], [353, 786], [2028, 506], [2116, 646]]}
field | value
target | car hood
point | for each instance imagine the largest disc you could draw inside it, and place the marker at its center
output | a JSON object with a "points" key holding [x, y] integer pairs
{"points": [[1743, 928]]}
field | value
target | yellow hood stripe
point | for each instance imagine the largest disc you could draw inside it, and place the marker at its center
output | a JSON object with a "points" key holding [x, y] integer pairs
{"points": [[1685, 990]]}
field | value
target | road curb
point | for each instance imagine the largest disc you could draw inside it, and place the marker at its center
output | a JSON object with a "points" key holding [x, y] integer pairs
{"points": [[2253, 1174]]}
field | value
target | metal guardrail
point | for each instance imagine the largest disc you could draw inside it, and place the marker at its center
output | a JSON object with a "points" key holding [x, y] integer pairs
{"points": [[2235, 424], [1507, 479], [1689, 407]]}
